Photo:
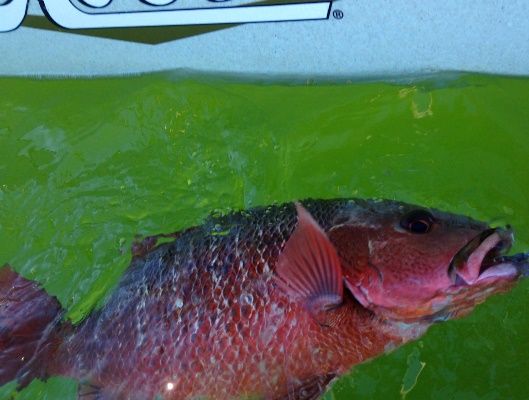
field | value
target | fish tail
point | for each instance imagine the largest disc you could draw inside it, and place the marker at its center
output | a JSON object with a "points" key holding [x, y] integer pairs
{"points": [[30, 328]]}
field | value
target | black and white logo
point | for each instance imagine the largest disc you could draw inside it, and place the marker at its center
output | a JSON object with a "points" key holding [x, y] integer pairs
{"points": [[91, 14]]}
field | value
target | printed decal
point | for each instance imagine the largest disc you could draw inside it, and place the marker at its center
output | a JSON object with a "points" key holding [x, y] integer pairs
{"points": [[12, 13], [69, 15]]}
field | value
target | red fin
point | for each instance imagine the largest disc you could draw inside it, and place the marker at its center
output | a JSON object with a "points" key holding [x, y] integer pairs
{"points": [[29, 322], [309, 268]]}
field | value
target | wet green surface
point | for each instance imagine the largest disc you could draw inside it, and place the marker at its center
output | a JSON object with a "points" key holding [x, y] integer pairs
{"points": [[87, 164]]}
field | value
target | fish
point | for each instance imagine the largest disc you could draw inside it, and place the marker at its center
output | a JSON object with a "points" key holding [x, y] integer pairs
{"points": [[271, 303]]}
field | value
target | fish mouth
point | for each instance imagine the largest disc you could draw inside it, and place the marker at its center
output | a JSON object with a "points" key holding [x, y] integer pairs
{"points": [[483, 258]]}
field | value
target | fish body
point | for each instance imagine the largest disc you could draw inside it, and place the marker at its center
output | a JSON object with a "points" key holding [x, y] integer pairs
{"points": [[270, 303]]}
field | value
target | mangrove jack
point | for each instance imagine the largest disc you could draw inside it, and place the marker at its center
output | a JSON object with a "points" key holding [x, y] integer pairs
{"points": [[272, 303]]}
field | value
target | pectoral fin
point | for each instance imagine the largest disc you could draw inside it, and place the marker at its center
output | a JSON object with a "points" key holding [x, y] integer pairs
{"points": [[309, 269]]}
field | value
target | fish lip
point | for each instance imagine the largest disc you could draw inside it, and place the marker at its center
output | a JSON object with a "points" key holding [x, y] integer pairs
{"points": [[519, 261], [483, 257]]}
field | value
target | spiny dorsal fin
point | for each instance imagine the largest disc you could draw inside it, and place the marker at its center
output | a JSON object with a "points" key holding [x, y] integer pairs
{"points": [[308, 268]]}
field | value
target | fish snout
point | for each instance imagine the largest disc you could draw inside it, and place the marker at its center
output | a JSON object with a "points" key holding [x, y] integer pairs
{"points": [[483, 257], [520, 261]]}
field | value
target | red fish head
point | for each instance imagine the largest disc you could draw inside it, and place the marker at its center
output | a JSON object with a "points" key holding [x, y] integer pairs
{"points": [[409, 263]]}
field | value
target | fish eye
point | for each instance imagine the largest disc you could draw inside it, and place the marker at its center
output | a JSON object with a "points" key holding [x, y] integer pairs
{"points": [[417, 221]]}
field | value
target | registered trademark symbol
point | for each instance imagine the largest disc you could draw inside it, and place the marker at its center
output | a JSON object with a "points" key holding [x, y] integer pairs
{"points": [[337, 14]]}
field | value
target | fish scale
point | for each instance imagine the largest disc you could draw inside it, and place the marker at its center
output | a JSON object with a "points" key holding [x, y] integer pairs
{"points": [[183, 321], [252, 304]]}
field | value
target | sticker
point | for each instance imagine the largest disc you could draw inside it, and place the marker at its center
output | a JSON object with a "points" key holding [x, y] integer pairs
{"points": [[12, 13], [90, 14]]}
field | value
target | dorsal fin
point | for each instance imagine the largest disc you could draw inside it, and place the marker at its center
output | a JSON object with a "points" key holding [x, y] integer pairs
{"points": [[308, 268]]}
